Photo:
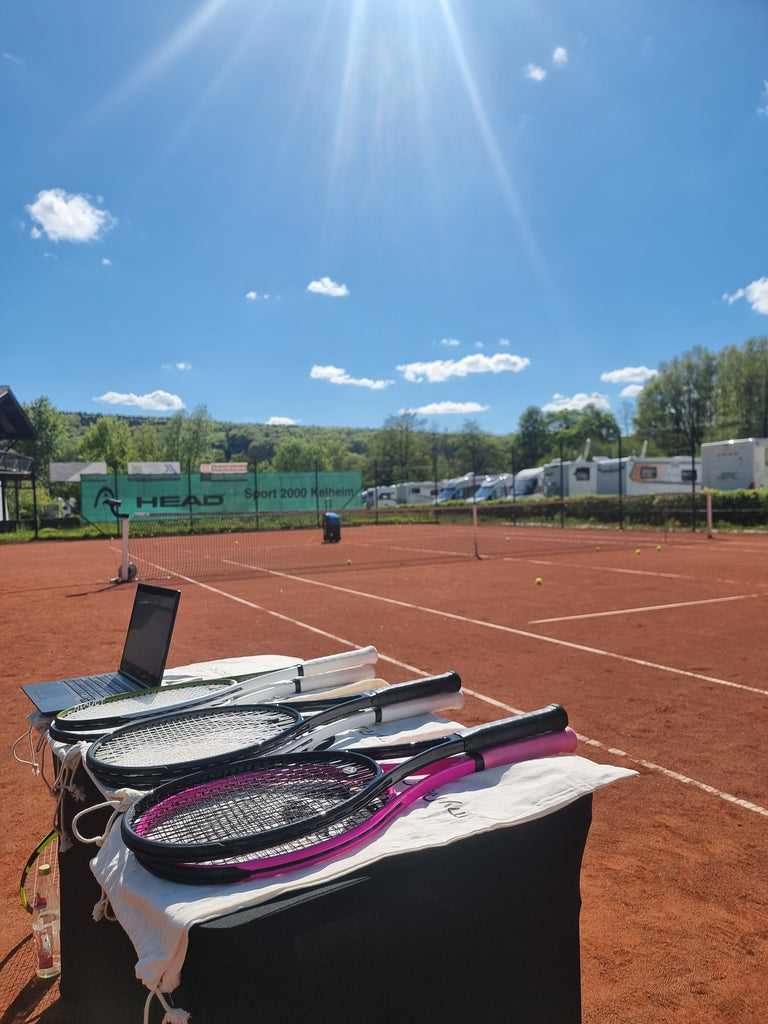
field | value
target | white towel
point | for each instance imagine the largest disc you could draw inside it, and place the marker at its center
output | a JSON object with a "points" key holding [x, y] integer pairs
{"points": [[157, 914]]}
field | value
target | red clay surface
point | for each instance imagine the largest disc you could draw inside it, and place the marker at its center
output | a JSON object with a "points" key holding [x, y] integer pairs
{"points": [[658, 656]]}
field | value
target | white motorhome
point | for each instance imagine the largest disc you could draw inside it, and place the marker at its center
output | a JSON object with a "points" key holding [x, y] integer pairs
{"points": [[461, 488], [379, 497], [495, 488], [529, 483], [635, 474], [735, 465], [421, 492]]}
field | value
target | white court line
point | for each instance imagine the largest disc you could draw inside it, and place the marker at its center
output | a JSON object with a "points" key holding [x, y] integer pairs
{"points": [[647, 608], [649, 765], [512, 630]]}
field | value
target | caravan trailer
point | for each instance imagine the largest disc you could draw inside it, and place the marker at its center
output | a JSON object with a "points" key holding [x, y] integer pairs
{"points": [[570, 478], [420, 492], [735, 465], [633, 475], [383, 496]]}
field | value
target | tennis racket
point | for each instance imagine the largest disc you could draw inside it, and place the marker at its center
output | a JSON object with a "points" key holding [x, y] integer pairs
{"points": [[148, 753], [46, 852], [345, 835], [320, 798], [306, 703], [121, 709]]}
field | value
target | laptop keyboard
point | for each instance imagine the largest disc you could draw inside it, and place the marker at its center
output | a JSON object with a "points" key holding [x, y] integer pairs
{"points": [[97, 686]]}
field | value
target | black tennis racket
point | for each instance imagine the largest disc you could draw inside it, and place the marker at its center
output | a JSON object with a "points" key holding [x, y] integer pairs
{"points": [[95, 717], [46, 852], [149, 753], [317, 799]]}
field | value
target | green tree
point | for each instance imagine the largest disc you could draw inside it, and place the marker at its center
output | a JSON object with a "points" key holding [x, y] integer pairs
{"points": [[147, 443], [108, 439], [297, 455], [51, 433], [532, 441], [187, 439], [742, 390], [478, 452], [401, 448], [677, 408]]}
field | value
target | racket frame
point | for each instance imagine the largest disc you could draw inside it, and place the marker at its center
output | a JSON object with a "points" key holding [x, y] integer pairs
{"points": [[478, 742]]}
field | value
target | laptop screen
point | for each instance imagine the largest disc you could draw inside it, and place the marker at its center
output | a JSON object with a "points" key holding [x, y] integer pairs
{"points": [[149, 633]]}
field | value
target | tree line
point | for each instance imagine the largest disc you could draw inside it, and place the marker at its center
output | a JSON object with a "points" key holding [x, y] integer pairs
{"points": [[696, 397]]}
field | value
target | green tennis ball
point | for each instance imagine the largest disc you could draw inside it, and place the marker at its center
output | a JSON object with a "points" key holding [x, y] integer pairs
{"points": [[637, 551], [539, 581], [597, 548], [349, 561], [658, 547]]}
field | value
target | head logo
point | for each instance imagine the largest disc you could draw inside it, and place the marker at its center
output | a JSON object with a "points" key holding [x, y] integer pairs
{"points": [[103, 492]]}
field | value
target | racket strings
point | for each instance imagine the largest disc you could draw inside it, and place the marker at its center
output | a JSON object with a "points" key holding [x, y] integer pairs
{"points": [[156, 700], [248, 803], [173, 741]]}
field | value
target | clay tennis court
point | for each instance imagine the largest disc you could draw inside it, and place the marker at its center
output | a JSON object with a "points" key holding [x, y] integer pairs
{"points": [[655, 645]]}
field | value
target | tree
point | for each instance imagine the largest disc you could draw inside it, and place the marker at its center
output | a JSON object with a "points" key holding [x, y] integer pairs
{"points": [[297, 455], [401, 447], [108, 439], [51, 431], [532, 441], [147, 443], [187, 439], [479, 452], [678, 407]]}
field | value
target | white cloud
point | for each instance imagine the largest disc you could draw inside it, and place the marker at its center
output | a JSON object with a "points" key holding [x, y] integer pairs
{"points": [[560, 56], [629, 375], [281, 421], [177, 366], [157, 401], [252, 296], [755, 293], [62, 217], [450, 342], [106, 263], [763, 111], [444, 369], [579, 401], [447, 408], [325, 286], [535, 72], [335, 375], [631, 390], [504, 341]]}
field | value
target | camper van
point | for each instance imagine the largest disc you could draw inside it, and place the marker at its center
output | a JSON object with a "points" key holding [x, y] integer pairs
{"points": [[495, 488], [634, 474], [382, 496], [529, 484], [461, 488], [735, 465]]}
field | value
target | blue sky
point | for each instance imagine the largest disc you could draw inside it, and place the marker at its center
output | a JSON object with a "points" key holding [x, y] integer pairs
{"points": [[327, 212]]}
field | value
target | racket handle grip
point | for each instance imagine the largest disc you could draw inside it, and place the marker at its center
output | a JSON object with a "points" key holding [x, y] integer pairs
{"points": [[360, 656], [552, 718], [424, 706], [546, 745], [418, 689]]}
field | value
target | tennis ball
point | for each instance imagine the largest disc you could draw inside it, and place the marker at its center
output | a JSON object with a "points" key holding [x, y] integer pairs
{"points": [[597, 548], [349, 561], [539, 581], [637, 551], [658, 547]]}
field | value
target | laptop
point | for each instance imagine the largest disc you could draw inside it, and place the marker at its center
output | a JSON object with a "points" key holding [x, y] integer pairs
{"points": [[143, 662]]}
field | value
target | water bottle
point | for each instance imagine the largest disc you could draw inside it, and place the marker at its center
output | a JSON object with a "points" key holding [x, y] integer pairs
{"points": [[45, 925]]}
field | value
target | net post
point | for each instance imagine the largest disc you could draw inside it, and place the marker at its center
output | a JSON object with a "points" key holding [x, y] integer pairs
{"points": [[710, 530], [474, 530]]}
